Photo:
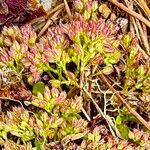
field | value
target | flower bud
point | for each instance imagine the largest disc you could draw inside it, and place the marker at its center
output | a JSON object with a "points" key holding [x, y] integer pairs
{"points": [[126, 40], [40, 96], [55, 83], [87, 15], [32, 39]]}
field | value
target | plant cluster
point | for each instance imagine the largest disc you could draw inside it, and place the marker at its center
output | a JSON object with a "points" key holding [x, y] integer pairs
{"points": [[61, 70], [60, 119]]}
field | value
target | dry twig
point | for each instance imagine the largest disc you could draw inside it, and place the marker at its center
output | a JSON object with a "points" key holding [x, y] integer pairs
{"points": [[131, 12], [49, 21], [143, 38], [144, 6], [68, 9], [105, 116], [131, 18]]}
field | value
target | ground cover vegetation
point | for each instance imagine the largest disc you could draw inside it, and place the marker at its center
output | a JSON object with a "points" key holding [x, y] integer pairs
{"points": [[80, 81]]}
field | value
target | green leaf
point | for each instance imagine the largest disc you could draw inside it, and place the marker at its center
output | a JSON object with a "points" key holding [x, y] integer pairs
{"points": [[124, 131], [38, 144], [112, 58], [1, 40], [127, 40], [118, 120], [55, 83], [49, 107], [87, 15], [38, 88], [82, 40], [4, 135], [69, 130], [94, 6]]}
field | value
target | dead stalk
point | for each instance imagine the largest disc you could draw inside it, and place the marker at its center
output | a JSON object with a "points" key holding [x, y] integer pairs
{"points": [[143, 38], [49, 21], [68, 9], [144, 7], [86, 115], [146, 56], [131, 12], [55, 9], [40, 26], [105, 116], [130, 6]]}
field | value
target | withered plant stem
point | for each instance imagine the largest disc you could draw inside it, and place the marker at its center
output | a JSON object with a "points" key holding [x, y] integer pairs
{"points": [[49, 21], [68, 9], [131, 18], [131, 12], [131, 110], [143, 37], [144, 6], [60, 6]]}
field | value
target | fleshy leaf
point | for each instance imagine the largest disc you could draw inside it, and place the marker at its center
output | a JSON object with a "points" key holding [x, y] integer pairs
{"points": [[38, 88]]}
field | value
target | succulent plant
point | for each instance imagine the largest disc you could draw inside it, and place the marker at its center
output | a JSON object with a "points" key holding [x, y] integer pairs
{"points": [[14, 45], [93, 41], [56, 102], [52, 67], [17, 125], [113, 143]]}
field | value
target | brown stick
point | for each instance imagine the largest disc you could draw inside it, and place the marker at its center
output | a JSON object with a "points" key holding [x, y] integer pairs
{"points": [[68, 9], [55, 9], [144, 6], [143, 38], [131, 18], [131, 12], [53, 18], [132, 111]]}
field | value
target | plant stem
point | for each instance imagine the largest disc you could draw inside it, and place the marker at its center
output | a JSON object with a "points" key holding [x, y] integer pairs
{"points": [[131, 12], [68, 9], [49, 21], [144, 6]]}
